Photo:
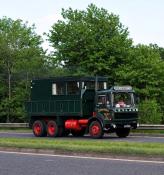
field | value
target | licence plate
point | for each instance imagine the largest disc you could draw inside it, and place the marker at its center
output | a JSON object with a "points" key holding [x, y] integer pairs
{"points": [[127, 126]]}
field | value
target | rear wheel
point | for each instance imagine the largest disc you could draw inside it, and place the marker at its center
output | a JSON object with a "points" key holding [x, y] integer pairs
{"points": [[122, 132], [52, 129], [96, 130], [39, 128]]}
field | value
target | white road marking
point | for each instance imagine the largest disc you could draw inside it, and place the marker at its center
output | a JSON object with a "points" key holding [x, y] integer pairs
{"points": [[84, 157]]}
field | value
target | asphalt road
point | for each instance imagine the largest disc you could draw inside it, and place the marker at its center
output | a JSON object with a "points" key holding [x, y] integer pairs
{"points": [[132, 138], [31, 164]]}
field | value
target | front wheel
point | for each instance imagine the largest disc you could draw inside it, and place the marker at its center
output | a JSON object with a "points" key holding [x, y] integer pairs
{"points": [[96, 130], [122, 132]]}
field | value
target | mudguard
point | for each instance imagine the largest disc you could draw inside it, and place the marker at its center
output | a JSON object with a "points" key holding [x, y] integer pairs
{"points": [[99, 117]]}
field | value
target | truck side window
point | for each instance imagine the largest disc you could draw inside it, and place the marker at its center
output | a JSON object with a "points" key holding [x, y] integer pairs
{"points": [[102, 100], [73, 88], [88, 85], [54, 91], [57, 89]]}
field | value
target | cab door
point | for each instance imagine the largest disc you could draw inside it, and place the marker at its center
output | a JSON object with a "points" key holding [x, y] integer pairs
{"points": [[102, 101], [104, 106]]}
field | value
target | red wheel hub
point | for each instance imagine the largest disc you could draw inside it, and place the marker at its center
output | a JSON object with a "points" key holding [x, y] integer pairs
{"points": [[37, 129], [51, 129], [95, 129]]}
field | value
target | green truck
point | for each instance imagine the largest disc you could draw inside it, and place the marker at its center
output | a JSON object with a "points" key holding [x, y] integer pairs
{"points": [[80, 105]]}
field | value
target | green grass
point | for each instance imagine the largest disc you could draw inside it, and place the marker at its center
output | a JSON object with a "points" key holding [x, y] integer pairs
{"points": [[89, 146], [148, 131]]}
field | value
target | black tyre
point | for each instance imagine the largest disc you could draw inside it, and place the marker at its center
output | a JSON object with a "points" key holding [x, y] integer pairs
{"points": [[52, 129], [96, 130], [39, 128], [122, 132], [78, 133]]}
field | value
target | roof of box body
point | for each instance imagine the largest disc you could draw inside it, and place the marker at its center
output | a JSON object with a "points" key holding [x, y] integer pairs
{"points": [[72, 78]]}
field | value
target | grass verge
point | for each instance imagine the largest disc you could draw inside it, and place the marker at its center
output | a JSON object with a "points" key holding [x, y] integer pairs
{"points": [[89, 146], [148, 131]]}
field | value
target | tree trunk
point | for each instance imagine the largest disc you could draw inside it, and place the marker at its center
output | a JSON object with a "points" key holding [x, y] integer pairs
{"points": [[9, 95]]}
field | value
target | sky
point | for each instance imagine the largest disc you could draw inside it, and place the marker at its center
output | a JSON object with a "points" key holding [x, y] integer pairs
{"points": [[144, 18]]}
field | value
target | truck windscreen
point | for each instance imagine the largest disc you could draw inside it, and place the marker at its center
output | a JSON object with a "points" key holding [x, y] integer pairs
{"points": [[123, 99]]}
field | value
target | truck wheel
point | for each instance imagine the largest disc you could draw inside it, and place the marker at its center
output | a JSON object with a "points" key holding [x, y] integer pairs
{"points": [[122, 132], [78, 133], [39, 128], [96, 130], [52, 129]]}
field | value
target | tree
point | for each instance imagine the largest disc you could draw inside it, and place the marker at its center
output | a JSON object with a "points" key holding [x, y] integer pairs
{"points": [[93, 41], [20, 56], [144, 70], [158, 49]]}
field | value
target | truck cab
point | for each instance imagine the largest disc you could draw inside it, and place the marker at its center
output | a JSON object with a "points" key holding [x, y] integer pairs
{"points": [[117, 106]]}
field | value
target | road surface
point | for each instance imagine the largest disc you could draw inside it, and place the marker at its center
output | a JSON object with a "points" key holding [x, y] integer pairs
{"points": [[35, 164]]}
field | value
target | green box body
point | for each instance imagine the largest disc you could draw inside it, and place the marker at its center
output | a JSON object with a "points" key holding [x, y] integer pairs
{"points": [[80, 104]]}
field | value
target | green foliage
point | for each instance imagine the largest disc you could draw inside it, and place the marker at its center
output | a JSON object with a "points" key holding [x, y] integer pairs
{"points": [[143, 69], [21, 57], [150, 112], [92, 40]]}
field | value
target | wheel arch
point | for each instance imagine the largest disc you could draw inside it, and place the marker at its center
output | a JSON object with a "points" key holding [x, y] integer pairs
{"points": [[43, 118]]}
